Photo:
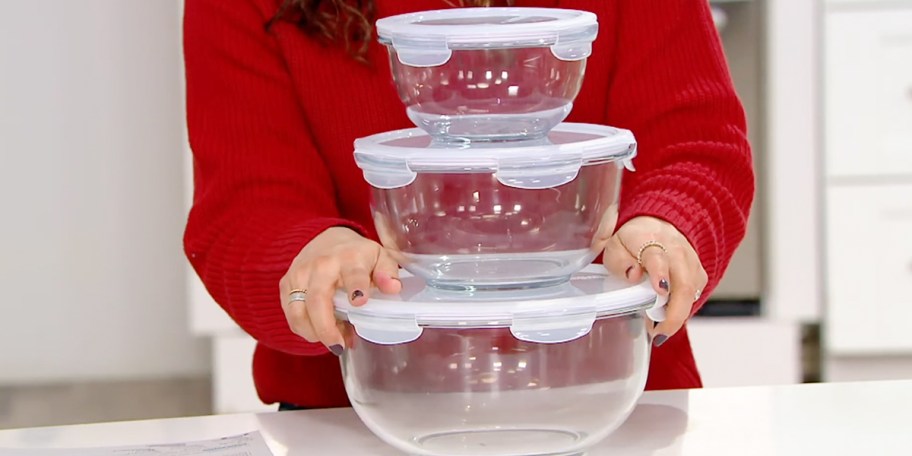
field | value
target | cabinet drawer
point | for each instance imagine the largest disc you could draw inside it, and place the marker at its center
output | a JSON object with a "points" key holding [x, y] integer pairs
{"points": [[868, 92], [869, 269]]}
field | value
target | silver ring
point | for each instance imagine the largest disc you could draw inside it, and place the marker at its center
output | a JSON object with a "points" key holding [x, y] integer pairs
{"points": [[297, 295], [697, 295]]}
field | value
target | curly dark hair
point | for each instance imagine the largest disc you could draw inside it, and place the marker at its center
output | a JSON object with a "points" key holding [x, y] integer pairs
{"points": [[347, 21]]}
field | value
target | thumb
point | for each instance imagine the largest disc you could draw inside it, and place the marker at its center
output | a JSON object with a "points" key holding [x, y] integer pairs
{"points": [[386, 273]]}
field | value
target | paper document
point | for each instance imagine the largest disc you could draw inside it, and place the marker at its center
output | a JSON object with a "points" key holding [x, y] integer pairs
{"points": [[250, 444]]}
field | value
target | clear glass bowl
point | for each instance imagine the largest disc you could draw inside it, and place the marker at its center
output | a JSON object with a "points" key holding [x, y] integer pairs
{"points": [[488, 74], [471, 231], [483, 392], [489, 94], [488, 216]]}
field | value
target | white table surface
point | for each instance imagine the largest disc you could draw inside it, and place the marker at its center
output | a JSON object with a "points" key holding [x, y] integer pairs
{"points": [[868, 418]]}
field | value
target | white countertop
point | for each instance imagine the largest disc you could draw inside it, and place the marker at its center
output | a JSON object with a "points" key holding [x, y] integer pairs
{"points": [[871, 418]]}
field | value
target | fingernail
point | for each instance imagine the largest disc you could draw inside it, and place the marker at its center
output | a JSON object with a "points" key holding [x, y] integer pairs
{"points": [[659, 340], [663, 284], [629, 270], [357, 294], [336, 349]]}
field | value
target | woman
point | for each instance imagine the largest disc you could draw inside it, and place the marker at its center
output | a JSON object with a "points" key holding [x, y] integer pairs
{"points": [[277, 92]]}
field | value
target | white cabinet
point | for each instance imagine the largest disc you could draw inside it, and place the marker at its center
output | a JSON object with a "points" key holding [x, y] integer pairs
{"points": [[868, 188], [869, 254], [739, 351], [869, 92]]}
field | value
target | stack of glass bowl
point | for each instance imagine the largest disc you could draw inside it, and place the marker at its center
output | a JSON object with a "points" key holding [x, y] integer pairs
{"points": [[504, 340]]}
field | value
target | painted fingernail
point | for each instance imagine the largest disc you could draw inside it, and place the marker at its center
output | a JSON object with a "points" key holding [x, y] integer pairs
{"points": [[659, 340], [629, 270], [336, 349], [663, 284], [357, 294]]}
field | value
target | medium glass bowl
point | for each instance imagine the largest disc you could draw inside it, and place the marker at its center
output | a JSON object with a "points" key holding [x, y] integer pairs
{"points": [[489, 216], [471, 231]]}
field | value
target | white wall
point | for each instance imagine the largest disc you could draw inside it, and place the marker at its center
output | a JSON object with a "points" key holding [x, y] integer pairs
{"points": [[92, 277]]}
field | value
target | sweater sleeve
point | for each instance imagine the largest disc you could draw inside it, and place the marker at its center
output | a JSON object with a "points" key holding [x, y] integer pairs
{"points": [[261, 189], [671, 87]]}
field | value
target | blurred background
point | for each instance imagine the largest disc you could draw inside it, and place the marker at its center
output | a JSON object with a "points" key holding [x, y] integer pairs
{"points": [[101, 318]]}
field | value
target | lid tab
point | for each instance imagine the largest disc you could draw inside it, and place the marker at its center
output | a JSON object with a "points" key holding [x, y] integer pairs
{"points": [[426, 54], [656, 313], [387, 180], [552, 329], [537, 176], [572, 51], [385, 330]]}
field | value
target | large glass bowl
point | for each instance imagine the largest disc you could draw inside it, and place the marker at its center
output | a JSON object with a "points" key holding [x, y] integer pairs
{"points": [[469, 388]]}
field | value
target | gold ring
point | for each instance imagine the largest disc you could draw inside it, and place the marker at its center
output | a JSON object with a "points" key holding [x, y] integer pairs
{"points": [[297, 294], [646, 246]]}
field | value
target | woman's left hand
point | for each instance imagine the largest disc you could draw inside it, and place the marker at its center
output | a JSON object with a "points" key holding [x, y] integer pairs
{"points": [[655, 247]]}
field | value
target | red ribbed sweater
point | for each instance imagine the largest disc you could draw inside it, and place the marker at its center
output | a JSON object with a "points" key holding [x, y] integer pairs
{"points": [[272, 117]]}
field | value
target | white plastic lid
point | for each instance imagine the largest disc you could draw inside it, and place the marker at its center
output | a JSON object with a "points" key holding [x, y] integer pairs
{"points": [[393, 159], [546, 315], [427, 38]]}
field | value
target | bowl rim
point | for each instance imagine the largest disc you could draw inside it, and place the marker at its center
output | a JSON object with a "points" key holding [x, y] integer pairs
{"points": [[601, 143], [393, 320], [412, 29]]}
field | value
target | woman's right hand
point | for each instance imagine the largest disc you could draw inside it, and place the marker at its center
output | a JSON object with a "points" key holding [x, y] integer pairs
{"points": [[336, 258]]}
